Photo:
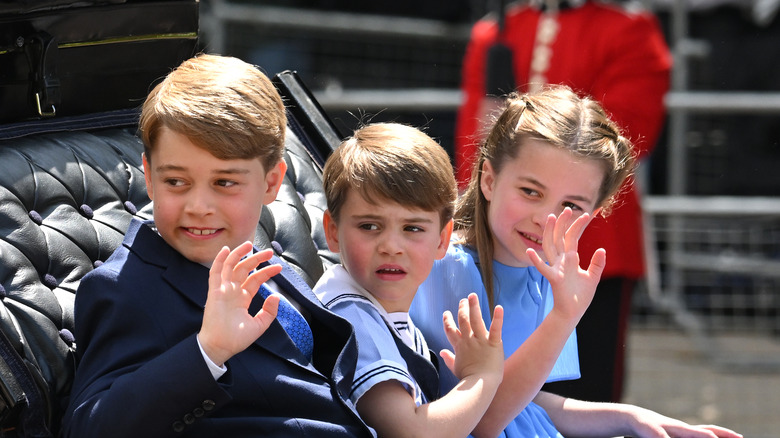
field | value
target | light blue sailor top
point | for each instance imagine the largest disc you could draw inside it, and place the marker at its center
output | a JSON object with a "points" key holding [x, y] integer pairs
{"points": [[526, 297], [378, 356]]}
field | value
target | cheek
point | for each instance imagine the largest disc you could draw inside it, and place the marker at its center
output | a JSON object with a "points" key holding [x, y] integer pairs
{"points": [[497, 215], [243, 208], [424, 265], [165, 209], [353, 252]]}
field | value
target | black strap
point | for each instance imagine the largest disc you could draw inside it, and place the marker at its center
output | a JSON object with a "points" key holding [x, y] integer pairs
{"points": [[21, 394], [41, 50], [499, 71]]}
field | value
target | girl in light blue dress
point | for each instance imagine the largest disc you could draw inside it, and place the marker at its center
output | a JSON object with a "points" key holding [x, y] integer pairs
{"points": [[551, 161]]}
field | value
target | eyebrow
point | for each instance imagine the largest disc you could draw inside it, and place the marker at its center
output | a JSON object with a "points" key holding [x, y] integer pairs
{"points": [[412, 219], [177, 168]]}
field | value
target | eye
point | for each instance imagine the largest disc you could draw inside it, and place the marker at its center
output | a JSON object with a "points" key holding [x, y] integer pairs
{"points": [[530, 192], [414, 229], [368, 226], [225, 183], [574, 207], [174, 182]]}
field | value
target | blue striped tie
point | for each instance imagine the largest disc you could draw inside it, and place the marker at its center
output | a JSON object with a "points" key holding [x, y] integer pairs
{"points": [[293, 322]]}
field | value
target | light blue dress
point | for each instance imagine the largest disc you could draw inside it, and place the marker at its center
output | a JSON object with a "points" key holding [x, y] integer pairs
{"points": [[526, 297]]}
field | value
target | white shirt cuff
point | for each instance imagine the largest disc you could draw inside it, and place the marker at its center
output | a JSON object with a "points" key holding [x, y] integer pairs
{"points": [[216, 370]]}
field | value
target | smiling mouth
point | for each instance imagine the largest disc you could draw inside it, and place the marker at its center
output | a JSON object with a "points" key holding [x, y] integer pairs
{"points": [[201, 232], [531, 238]]}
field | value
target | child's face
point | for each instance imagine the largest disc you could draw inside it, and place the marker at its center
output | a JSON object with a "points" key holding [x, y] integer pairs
{"points": [[202, 203], [540, 181], [388, 249]]}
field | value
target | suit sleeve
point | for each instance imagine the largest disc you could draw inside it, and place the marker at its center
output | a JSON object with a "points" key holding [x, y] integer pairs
{"points": [[130, 381]]}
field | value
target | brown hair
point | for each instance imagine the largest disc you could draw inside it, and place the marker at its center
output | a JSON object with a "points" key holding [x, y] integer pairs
{"points": [[221, 104], [556, 115], [391, 161]]}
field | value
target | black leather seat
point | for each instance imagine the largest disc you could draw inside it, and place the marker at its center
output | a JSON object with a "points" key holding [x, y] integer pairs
{"points": [[66, 199]]}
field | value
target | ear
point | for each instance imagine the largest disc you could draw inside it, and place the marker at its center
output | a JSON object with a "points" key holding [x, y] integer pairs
{"points": [[331, 231], [148, 176], [487, 180], [444, 243], [273, 181]]}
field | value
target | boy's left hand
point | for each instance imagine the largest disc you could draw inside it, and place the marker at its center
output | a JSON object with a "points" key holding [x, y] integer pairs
{"points": [[477, 350], [227, 327]]}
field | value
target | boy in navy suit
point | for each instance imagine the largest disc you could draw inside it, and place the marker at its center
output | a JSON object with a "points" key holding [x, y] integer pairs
{"points": [[173, 337]]}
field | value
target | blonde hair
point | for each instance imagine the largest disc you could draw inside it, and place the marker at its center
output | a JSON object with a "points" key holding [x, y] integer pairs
{"points": [[391, 161], [223, 105], [556, 115]]}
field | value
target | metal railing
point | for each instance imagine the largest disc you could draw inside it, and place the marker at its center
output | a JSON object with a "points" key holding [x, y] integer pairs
{"points": [[677, 209]]}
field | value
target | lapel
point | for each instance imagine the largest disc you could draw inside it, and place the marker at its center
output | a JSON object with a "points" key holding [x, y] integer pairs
{"points": [[335, 346], [190, 280], [294, 286]]}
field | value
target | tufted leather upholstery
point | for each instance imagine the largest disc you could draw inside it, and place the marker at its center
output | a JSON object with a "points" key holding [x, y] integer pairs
{"points": [[66, 199]]}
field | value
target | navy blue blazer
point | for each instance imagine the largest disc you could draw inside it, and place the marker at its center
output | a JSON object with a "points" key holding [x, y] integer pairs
{"points": [[141, 373]]}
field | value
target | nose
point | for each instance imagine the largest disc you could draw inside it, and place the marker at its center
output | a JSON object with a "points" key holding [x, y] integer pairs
{"points": [[540, 216], [199, 201], [543, 211], [389, 242]]}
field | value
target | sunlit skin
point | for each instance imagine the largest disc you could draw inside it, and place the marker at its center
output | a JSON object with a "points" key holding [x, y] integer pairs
{"points": [[387, 248], [208, 209], [203, 203], [542, 180], [228, 328], [539, 205]]}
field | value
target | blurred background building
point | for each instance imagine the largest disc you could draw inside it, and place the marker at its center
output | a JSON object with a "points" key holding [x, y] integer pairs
{"points": [[705, 330]]}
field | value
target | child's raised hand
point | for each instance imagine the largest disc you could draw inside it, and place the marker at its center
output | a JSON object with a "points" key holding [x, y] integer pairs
{"points": [[573, 288], [477, 350], [227, 327]]}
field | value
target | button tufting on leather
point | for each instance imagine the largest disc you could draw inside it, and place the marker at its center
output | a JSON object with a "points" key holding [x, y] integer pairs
{"points": [[49, 281], [35, 216], [86, 210], [67, 337], [68, 246], [130, 207]]}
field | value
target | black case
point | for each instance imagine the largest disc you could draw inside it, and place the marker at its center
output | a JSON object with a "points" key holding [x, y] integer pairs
{"points": [[63, 58]]}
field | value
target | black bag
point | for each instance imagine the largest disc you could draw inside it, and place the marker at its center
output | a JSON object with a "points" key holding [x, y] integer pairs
{"points": [[62, 58]]}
